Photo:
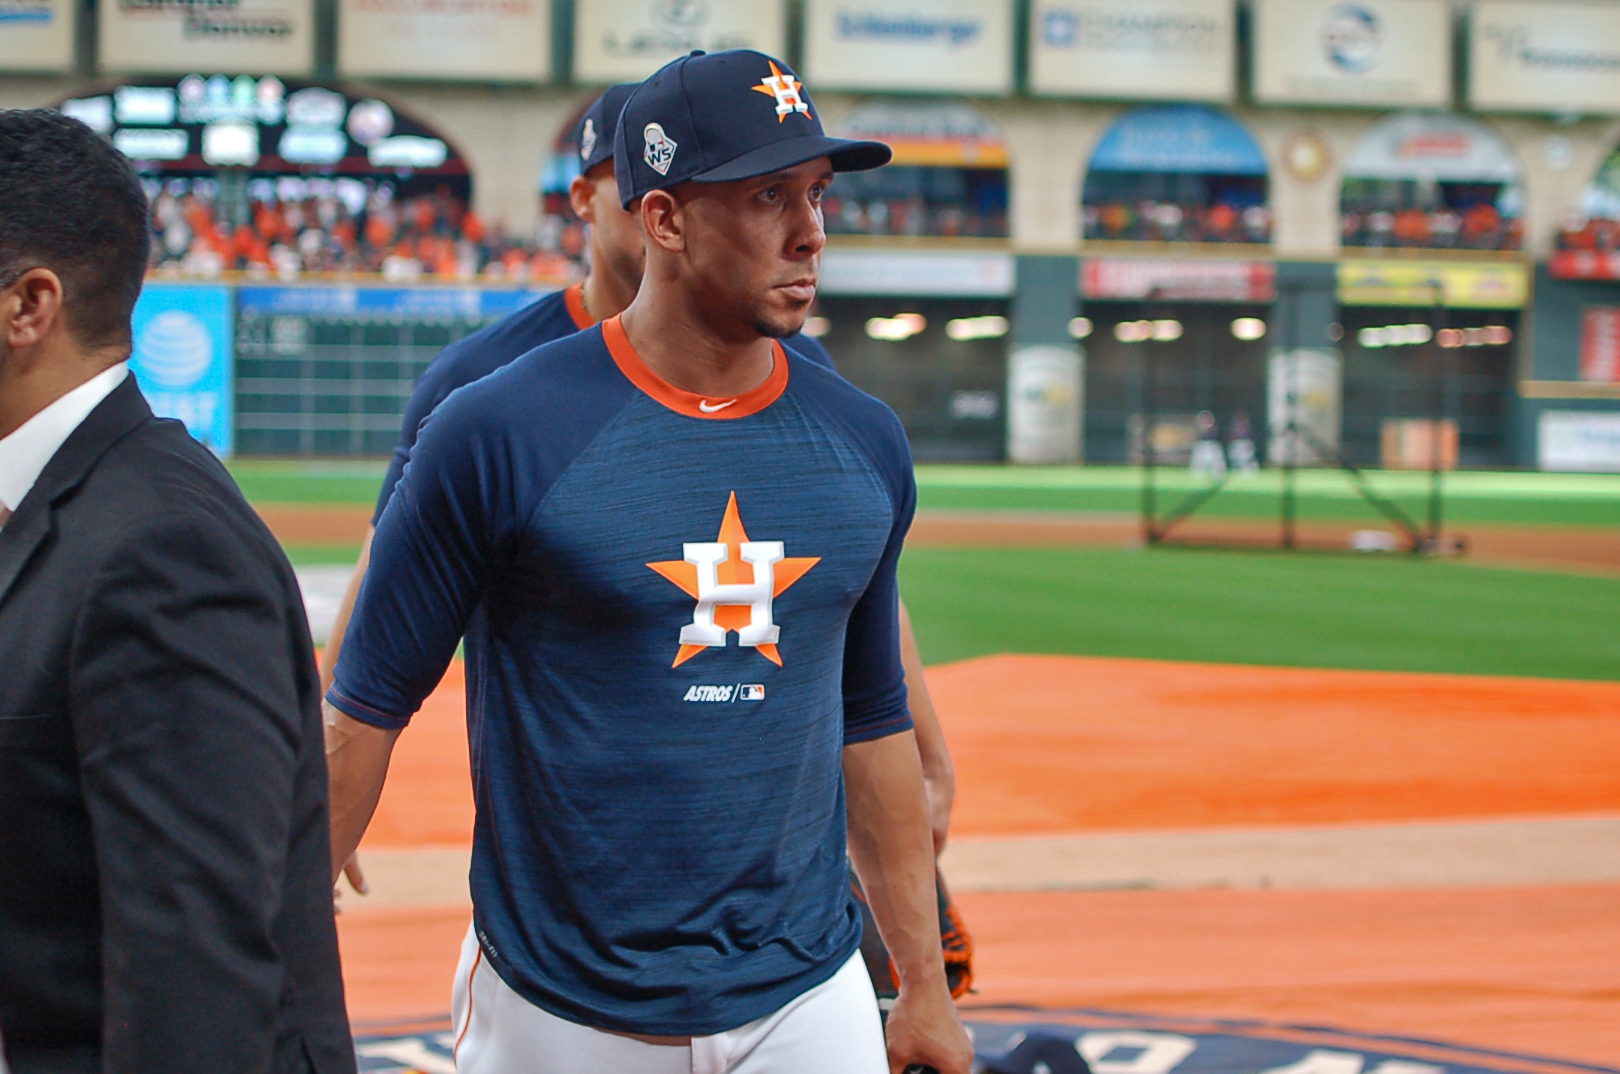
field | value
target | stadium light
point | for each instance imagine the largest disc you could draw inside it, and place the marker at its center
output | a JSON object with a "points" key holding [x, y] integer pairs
{"points": [[1492, 335], [1248, 329], [816, 327], [894, 329], [1080, 327], [1395, 335], [1167, 331], [1133, 331], [966, 328]]}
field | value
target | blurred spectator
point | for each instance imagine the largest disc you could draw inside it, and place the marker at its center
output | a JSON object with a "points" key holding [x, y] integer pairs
{"points": [[909, 199], [1430, 215], [287, 227], [1164, 207]]}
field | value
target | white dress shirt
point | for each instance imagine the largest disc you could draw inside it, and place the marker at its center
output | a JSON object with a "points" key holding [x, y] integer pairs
{"points": [[25, 453]]}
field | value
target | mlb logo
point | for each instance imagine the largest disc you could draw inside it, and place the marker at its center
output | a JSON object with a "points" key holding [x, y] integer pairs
{"points": [[752, 691]]}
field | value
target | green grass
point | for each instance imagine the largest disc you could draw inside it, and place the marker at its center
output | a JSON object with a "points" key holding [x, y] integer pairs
{"points": [[317, 481], [1526, 499], [1307, 610], [310, 555]]}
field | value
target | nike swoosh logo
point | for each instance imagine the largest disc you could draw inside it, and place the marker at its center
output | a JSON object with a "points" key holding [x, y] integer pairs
{"points": [[707, 409]]}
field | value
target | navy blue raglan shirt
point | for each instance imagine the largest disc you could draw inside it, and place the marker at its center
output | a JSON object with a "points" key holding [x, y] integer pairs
{"points": [[556, 316], [685, 609]]}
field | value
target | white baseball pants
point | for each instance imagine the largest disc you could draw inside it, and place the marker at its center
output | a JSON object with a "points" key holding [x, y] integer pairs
{"points": [[832, 1029]]}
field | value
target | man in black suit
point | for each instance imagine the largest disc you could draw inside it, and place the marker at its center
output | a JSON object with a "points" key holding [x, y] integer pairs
{"points": [[165, 888]]}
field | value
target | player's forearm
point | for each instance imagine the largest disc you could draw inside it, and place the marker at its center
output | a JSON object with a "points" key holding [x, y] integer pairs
{"points": [[334, 642], [893, 853], [357, 764], [938, 769]]}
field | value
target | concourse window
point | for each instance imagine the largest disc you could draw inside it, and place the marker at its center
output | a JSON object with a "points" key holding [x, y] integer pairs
{"points": [[1177, 173], [1432, 180], [1596, 225], [948, 177]]}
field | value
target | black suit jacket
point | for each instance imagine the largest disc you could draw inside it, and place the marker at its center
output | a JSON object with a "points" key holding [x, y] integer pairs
{"points": [[165, 894]]}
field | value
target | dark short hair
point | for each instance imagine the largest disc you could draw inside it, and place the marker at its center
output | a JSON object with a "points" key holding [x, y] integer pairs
{"points": [[71, 203]]}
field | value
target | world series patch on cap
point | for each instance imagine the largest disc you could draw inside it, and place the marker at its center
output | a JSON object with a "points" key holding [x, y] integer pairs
{"points": [[593, 137], [718, 117]]}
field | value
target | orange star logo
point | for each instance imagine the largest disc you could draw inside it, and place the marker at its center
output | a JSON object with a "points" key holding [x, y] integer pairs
{"points": [[787, 90], [734, 580]]}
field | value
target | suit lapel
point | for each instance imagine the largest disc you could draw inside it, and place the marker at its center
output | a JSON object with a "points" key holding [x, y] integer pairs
{"points": [[122, 411]]}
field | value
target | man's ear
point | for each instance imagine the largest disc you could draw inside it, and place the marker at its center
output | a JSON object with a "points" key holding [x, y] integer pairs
{"points": [[580, 192], [30, 308], [662, 220]]}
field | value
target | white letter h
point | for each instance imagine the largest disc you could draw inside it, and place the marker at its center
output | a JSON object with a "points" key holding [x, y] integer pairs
{"points": [[707, 557]]}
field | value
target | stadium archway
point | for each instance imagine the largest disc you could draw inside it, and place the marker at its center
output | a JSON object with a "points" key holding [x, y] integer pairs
{"points": [[948, 176], [285, 176], [1432, 180], [1177, 173]]}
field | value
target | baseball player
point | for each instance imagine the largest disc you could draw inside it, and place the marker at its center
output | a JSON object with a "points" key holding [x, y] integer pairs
{"points": [[617, 253], [670, 544]]}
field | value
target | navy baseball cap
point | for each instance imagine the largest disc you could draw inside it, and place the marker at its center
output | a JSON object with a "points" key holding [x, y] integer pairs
{"points": [[593, 134], [712, 118]]}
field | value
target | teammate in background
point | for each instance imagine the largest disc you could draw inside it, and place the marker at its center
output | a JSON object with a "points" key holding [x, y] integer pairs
{"points": [[658, 862], [617, 253], [1240, 449], [1207, 457]]}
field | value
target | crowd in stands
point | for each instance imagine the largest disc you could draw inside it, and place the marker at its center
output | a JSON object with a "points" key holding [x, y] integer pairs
{"points": [[1461, 217], [283, 230], [917, 200], [1169, 221]]}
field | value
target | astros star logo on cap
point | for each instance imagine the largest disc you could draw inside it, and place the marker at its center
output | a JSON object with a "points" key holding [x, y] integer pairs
{"points": [[786, 91]]}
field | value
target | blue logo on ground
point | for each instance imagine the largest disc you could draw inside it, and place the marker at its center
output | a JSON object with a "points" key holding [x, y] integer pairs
{"points": [[184, 358], [1018, 1041]]}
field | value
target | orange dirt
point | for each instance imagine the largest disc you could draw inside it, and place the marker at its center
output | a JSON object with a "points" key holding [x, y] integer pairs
{"points": [[1528, 970], [1062, 744], [1048, 744], [1055, 744]]}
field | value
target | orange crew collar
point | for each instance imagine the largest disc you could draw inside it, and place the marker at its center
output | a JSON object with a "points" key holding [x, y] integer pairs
{"points": [[574, 299], [690, 403]]}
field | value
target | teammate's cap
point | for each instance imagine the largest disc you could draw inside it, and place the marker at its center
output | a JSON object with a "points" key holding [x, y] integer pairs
{"points": [[729, 115], [593, 135]]}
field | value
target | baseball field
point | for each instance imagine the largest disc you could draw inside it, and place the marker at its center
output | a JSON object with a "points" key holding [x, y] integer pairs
{"points": [[1207, 791]]}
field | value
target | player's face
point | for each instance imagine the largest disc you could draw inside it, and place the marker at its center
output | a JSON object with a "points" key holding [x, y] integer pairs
{"points": [[754, 246], [617, 244]]}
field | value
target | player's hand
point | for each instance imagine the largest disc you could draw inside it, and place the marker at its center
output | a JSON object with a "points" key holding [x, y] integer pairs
{"points": [[941, 795], [357, 880], [925, 1030]]}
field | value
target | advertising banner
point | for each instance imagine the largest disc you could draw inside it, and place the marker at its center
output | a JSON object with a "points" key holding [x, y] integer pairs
{"points": [[932, 134], [37, 35], [1184, 50], [1579, 440], [493, 40], [1544, 57], [1487, 286], [1600, 345], [943, 46], [386, 303], [1357, 53], [1178, 280], [1044, 404], [627, 40], [180, 36], [184, 359], [1304, 390], [880, 272]]}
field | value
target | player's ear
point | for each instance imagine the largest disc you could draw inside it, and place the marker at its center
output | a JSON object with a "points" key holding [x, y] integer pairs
{"points": [[662, 220], [580, 192]]}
